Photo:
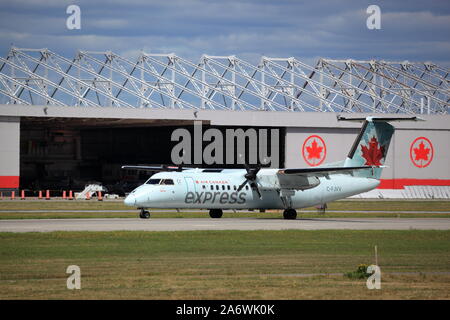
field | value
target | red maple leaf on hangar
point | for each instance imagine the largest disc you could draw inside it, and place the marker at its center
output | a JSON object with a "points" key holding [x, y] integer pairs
{"points": [[421, 152], [372, 153], [314, 150]]}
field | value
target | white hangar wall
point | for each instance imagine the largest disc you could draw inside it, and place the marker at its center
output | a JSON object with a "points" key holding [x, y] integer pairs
{"points": [[403, 168], [338, 137], [9, 152]]}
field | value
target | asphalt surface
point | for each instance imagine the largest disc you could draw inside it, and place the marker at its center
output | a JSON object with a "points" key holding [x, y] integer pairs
{"points": [[206, 211], [185, 224]]}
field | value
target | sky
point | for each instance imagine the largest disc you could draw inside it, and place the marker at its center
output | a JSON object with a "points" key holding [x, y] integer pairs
{"points": [[410, 30]]}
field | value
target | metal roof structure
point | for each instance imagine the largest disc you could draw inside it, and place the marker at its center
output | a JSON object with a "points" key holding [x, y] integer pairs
{"points": [[166, 81]]}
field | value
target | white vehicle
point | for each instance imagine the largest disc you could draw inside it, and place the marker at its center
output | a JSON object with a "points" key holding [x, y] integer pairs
{"points": [[261, 188], [89, 190]]}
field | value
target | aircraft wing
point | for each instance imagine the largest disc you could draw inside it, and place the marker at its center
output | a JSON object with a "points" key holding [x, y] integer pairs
{"points": [[320, 171], [156, 168], [172, 168]]}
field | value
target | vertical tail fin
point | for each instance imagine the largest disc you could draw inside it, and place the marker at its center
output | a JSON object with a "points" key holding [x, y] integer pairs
{"points": [[371, 145]]}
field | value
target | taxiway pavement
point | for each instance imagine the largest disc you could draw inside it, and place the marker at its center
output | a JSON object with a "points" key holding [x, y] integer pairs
{"points": [[187, 224]]}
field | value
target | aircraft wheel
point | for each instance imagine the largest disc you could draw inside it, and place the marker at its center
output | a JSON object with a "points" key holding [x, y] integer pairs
{"points": [[144, 214], [215, 213], [290, 214]]}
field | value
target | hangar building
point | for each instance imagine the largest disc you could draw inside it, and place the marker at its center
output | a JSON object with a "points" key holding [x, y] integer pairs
{"points": [[66, 122]]}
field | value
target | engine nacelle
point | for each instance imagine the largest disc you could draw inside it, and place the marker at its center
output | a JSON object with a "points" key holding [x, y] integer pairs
{"points": [[276, 181]]}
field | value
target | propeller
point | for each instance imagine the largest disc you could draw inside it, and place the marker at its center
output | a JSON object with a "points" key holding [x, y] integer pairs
{"points": [[250, 178]]}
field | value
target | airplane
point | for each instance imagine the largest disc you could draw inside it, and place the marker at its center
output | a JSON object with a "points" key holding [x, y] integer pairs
{"points": [[178, 187]]}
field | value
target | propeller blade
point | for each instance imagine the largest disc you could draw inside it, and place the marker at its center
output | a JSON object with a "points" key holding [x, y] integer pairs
{"points": [[250, 178], [251, 174], [242, 185], [254, 187], [247, 168]]}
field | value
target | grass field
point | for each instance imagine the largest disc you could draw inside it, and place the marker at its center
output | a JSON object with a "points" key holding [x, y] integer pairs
{"points": [[224, 264], [431, 208]]}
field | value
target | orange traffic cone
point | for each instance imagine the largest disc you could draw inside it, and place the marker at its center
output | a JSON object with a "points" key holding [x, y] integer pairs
{"points": [[47, 195], [70, 195], [40, 194], [99, 196], [22, 195], [13, 195], [64, 194]]}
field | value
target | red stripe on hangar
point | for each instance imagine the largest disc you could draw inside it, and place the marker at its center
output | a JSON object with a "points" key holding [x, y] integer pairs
{"points": [[9, 181], [401, 183]]}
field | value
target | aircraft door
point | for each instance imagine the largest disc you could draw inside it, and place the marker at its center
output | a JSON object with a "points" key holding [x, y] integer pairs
{"points": [[190, 184]]}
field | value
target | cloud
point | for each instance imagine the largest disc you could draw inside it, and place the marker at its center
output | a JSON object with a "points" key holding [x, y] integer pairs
{"points": [[417, 31], [109, 24]]}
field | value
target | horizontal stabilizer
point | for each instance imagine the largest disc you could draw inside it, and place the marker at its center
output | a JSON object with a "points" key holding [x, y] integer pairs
{"points": [[340, 118]]}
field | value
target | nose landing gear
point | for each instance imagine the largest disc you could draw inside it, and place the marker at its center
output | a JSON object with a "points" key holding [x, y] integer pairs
{"points": [[144, 214]]}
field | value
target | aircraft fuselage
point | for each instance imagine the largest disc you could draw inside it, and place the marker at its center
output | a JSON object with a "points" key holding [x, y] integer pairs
{"points": [[193, 189]]}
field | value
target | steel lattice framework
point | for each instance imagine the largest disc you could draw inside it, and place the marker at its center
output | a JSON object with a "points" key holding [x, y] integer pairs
{"points": [[166, 81]]}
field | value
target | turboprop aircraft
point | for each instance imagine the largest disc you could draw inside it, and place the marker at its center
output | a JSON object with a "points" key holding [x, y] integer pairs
{"points": [[267, 188]]}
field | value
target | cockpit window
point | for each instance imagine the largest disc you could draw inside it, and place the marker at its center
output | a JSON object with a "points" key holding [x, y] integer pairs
{"points": [[153, 181], [160, 181]]}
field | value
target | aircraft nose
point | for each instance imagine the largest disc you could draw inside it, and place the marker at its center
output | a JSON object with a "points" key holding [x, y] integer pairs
{"points": [[130, 200]]}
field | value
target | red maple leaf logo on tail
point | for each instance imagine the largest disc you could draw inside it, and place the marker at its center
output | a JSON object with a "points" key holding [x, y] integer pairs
{"points": [[314, 151], [421, 152], [372, 154]]}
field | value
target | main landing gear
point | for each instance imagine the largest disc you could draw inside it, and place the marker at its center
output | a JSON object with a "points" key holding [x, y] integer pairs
{"points": [[144, 214], [215, 213], [290, 214]]}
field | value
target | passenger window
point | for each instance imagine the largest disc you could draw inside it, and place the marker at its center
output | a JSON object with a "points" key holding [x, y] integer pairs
{"points": [[223, 187], [228, 187], [234, 188], [217, 187], [212, 187], [246, 187]]}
